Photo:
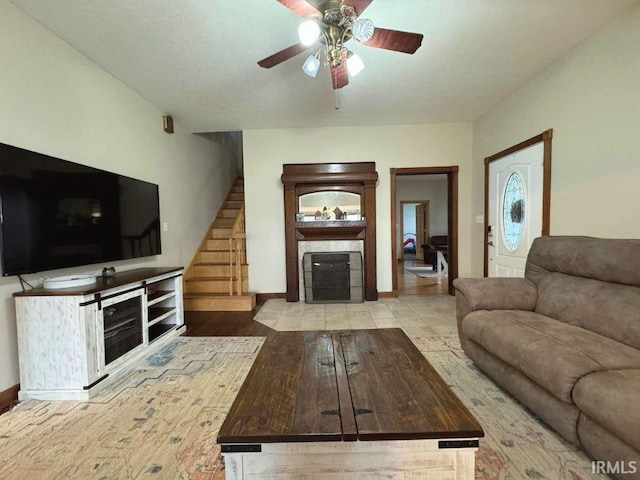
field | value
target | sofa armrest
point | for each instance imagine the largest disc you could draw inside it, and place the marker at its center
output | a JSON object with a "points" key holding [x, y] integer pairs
{"points": [[492, 294], [498, 293]]}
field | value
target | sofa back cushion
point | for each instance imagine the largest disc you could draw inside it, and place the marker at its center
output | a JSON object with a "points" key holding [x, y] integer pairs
{"points": [[589, 282]]}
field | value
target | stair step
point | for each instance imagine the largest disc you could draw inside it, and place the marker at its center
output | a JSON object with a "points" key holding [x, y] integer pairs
{"points": [[219, 303], [216, 270], [233, 204], [220, 232], [228, 213], [224, 222], [237, 189], [217, 245], [210, 285], [236, 196], [205, 256]]}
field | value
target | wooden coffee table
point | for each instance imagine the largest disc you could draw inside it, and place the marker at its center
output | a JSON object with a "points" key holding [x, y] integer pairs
{"points": [[343, 405]]}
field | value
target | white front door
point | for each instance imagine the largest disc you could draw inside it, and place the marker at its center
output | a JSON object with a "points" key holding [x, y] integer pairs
{"points": [[515, 198]]}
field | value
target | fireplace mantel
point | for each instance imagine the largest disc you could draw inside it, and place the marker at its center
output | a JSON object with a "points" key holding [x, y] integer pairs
{"points": [[301, 179], [327, 230]]}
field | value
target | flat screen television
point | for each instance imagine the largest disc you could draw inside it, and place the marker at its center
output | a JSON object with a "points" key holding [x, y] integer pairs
{"points": [[56, 214]]}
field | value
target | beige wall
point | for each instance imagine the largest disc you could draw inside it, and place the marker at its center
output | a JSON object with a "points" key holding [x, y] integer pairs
{"points": [[55, 101], [591, 99], [265, 151]]}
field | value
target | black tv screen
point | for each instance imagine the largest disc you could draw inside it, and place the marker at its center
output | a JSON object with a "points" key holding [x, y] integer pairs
{"points": [[57, 214]]}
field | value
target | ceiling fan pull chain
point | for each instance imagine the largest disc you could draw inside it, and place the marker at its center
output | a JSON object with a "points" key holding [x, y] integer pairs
{"points": [[337, 106]]}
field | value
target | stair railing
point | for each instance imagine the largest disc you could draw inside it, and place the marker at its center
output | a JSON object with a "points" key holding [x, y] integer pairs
{"points": [[237, 253]]}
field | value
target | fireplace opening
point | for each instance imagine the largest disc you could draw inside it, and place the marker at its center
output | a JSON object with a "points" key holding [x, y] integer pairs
{"points": [[333, 277]]}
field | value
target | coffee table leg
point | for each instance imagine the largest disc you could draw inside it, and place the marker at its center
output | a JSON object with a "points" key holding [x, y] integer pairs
{"points": [[466, 463], [233, 466]]}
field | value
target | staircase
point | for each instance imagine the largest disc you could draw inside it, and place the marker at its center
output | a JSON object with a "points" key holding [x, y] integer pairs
{"points": [[217, 279]]}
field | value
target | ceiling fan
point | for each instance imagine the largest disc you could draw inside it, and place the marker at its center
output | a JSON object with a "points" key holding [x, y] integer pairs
{"points": [[328, 26]]}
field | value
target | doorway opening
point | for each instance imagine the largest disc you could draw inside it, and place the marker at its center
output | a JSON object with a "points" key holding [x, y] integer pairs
{"points": [[424, 260]]}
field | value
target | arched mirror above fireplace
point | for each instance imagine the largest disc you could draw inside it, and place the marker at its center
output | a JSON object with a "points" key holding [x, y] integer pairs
{"points": [[329, 205]]}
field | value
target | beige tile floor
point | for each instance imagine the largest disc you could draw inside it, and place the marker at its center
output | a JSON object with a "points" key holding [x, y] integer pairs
{"points": [[417, 315]]}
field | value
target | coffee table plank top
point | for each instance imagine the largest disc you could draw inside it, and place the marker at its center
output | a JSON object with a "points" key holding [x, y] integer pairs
{"points": [[344, 385], [397, 394], [290, 384]]}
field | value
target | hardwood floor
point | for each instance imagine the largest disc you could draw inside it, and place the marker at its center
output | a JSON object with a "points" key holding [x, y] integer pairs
{"points": [[8, 399], [224, 324], [411, 284]]}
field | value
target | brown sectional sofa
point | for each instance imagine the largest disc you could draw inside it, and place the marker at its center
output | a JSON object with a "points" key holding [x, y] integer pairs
{"points": [[565, 340]]}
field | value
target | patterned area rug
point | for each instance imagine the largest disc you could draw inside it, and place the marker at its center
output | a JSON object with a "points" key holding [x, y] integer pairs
{"points": [[161, 421]]}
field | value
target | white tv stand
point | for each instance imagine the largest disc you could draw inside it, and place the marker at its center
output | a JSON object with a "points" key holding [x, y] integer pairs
{"points": [[73, 342]]}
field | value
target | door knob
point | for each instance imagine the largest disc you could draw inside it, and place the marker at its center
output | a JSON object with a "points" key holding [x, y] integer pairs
{"points": [[490, 243]]}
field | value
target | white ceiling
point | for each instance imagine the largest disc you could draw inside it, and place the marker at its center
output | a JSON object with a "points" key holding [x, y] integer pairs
{"points": [[196, 59]]}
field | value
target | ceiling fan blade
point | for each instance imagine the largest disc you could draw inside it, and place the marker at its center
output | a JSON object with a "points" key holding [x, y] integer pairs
{"points": [[340, 74], [395, 40], [358, 5], [283, 55], [300, 7]]}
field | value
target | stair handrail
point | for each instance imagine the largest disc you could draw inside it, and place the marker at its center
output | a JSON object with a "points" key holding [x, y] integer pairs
{"points": [[237, 252]]}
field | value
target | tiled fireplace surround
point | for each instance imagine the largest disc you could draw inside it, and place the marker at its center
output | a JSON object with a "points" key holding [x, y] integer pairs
{"points": [[325, 246]]}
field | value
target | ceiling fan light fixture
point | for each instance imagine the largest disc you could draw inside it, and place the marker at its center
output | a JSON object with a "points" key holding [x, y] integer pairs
{"points": [[354, 64], [308, 32], [327, 26], [363, 29], [311, 65]]}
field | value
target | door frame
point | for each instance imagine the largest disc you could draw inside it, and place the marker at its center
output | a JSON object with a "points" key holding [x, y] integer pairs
{"points": [[545, 137], [452, 218], [402, 204]]}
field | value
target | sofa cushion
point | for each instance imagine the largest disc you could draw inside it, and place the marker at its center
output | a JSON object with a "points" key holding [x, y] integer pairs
{"points": [[611, 399], [610, 309], [606, 259], [552, 353]]}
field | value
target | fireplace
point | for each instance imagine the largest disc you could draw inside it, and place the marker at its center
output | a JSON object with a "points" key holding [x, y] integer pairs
{"points": [[333, 277], [330, 203]]}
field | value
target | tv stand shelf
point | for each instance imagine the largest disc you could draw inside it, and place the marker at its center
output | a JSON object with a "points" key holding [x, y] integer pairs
{"points": [[158, 296], [158, 314], [73, 342]]}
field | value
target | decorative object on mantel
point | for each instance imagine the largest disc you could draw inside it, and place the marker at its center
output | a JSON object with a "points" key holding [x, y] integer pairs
{"points": [[329, 25], [338, 213]]}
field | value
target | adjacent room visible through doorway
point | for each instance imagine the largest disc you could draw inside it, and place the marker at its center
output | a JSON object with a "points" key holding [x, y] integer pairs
{"points": [[424, 237]]}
